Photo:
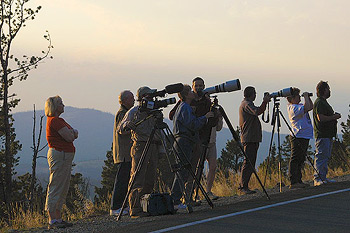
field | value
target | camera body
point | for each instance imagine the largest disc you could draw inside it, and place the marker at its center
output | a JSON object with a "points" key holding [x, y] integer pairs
{"points": [[156, 104], [150, 101]]}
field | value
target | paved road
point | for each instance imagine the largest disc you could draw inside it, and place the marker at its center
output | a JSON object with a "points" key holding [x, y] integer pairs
{"points": [[315, 209], [328, 213]]}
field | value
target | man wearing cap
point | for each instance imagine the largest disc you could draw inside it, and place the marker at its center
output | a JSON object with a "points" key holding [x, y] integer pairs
{"points": [[140, 133]]}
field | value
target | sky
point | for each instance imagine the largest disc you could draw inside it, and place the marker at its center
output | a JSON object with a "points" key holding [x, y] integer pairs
{"points": [[104, 47]]}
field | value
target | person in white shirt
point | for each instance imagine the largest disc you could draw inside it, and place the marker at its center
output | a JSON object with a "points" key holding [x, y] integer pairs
{"points": [[302, 132]]}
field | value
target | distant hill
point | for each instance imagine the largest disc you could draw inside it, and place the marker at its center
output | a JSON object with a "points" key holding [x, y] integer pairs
{"points": [[95, 139]]}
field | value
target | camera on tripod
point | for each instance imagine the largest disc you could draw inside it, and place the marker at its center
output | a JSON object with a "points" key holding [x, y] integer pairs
{"points": [[282, 93], [150, 101], [232, 85]]}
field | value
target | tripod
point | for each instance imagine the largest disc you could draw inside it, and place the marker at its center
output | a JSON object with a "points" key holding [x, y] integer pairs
{"points": [[276, 113], [237, 139], [182, 162], [204, 145]]}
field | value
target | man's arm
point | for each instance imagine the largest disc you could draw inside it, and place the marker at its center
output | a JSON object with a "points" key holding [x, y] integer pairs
{"points": [[324, 118], [308, 105], [262, 107], [126, 124]]}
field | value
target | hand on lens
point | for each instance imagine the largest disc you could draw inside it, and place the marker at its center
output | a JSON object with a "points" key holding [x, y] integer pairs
{"points": [[75, 131], [267, 97], [337, 115], [209, 114]]}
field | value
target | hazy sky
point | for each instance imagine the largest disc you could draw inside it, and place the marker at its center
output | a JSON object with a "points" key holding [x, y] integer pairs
{"points": [[104, 47]]}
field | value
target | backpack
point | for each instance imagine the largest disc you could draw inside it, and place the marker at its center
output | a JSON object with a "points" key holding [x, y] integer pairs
{"points": [[157, 204]]}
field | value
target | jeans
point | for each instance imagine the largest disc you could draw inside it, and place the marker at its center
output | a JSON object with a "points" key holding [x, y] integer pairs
{"points": [[178, 184], [323, 154], [120, 184]]}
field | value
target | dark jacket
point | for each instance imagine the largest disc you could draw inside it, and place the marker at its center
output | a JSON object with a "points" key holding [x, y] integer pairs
{"points": [[121, 142]]}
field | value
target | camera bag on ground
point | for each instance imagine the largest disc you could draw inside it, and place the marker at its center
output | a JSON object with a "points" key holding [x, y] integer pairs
{"points": [[157, 204]]}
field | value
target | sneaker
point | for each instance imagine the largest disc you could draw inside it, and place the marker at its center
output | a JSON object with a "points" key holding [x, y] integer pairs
{"points": [[212, 196], [330, 181], [180, 206], [246, 191], [116, 212], [318, 182], [56, 225], [298, 186]]}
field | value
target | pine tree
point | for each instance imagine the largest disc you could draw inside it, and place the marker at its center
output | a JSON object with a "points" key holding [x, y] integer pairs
{"points": [[231, 157], [341, 149], [109, 171]]}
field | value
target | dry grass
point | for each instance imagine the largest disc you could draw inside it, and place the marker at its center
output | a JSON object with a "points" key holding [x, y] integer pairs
{"points": [[228, 186], [223, 186]]}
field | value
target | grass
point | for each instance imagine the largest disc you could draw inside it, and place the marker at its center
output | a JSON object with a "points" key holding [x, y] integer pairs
{"points": [[24, 219], [228, 186]]}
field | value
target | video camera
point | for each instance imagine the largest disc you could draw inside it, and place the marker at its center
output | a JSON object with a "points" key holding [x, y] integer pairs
{"points": [[150, 101], [232, 85]]}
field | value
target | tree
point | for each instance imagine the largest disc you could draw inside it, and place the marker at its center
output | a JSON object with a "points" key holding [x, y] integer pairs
{"points": [[340, 153], [36, 149], [109, 171], [14, 15], [231, 156]]}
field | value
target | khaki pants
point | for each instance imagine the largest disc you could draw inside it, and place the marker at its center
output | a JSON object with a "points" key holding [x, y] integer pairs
{"points": [[60, 165], [144, 180]]}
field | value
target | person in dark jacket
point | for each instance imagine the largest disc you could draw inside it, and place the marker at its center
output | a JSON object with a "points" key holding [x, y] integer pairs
{"points": [[121, 154]]}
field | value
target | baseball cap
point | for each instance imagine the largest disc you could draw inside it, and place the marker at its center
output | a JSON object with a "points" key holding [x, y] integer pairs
{"points": [[142, 91]]}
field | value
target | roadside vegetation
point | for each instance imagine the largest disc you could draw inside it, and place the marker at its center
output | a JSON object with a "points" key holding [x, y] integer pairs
{"points": [[79, 205]]}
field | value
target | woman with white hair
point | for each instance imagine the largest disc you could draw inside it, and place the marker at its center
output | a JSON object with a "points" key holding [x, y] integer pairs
{"points": [[60, 136]]}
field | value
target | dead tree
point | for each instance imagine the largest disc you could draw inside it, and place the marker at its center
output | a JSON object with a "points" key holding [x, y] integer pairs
{"points": [[36, 150]]}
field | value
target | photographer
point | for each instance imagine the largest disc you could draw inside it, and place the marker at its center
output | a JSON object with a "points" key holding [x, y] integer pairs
{"points": [[325, 128], [201, 105], [303, 131], [140, 133], [186, 127], [121, 154], [251, 134]]}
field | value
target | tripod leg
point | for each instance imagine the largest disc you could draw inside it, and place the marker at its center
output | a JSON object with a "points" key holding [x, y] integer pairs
{"points": [[176, 171], [185, 161], [199, 172], [138, 168], [270, 148], [279, 151], [235, 136]]}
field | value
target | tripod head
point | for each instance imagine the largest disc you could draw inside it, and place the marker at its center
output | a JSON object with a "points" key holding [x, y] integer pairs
{"points": [[156, 113]]}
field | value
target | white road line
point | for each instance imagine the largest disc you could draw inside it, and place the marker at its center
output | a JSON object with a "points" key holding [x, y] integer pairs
{"points": [[247, 211]]}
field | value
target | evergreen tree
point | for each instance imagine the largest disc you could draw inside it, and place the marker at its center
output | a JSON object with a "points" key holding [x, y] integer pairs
{"points": [[270, 164], [109, 171], [231, 158], [341, 149], [78, 194]]}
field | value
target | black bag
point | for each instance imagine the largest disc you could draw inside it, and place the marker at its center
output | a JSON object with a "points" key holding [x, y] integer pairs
{"points": [[157, 204]]}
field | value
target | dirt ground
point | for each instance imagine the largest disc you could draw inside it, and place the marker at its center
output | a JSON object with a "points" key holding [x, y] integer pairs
{"points": [[106, 223]]}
